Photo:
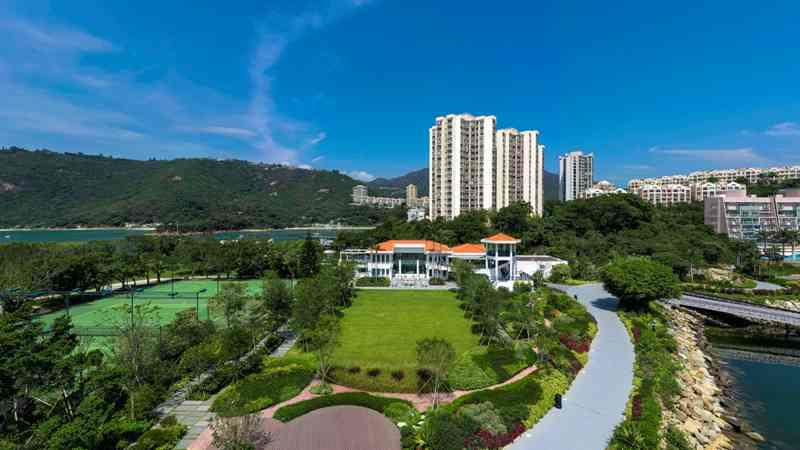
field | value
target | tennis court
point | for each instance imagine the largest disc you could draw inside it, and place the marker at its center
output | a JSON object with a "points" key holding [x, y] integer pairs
{"points": [[169, 300]]}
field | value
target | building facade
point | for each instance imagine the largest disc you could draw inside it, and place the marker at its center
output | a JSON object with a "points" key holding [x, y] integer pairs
{"points": [[602, 188], [519, 169], [361, 197], [474, 166], [748, 174], [666, 195], [575, 175], [753, 218], [416, 262]]}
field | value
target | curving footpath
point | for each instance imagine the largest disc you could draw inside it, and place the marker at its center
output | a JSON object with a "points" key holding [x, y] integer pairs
{"points": [[595, 403]]}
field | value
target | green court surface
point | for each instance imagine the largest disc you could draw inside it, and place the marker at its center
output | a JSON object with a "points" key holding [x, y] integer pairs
{"points": [[108, 311]]}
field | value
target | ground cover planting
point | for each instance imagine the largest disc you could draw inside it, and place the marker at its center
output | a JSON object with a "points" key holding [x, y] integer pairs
{"points": [[279, 380]]}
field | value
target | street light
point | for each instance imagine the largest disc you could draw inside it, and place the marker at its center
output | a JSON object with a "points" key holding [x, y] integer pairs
{"points": [[197, 305]]}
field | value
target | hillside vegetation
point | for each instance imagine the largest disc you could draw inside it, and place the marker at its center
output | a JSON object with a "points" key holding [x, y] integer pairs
{"points": [[48, 189]]}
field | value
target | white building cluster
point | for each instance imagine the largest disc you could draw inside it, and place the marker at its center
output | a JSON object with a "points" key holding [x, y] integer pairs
{"points": [[602, 188], [361, 197], [473, 165], [413, 263], [708, 183]]}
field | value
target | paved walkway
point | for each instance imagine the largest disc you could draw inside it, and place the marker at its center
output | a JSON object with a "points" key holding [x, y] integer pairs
{"points": [[195, 414], [768, 286], [595, 403]]}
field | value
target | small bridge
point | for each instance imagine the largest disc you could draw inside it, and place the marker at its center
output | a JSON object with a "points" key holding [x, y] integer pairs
{"points": [[749, 311]]}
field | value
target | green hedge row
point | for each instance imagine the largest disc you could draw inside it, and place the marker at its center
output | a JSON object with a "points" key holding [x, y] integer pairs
{"points": [[372, 402], [373, 282]]}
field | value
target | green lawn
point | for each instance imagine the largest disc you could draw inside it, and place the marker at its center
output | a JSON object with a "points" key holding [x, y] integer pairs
{"points": [[381, 328]]}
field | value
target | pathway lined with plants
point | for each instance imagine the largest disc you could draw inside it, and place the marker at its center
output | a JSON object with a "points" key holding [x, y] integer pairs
{"points": [[596, 401], [420, 401], [195, 414]]}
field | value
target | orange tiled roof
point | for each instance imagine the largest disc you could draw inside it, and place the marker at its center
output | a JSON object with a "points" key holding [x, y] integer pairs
{"points": [[500, 237], [469, 248], [430, 246]]}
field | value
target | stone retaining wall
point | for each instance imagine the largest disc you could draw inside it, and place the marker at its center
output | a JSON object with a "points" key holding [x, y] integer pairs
{"points": [[703, 411]]}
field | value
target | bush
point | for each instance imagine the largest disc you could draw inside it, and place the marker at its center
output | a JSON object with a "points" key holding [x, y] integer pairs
{"points": [[354, 370], [373, 282], [485, 417], [447, 431], [279, 381], [397, 411], [365, 400], [676, 440], [373, 372], [228, 373], [398, 375], [165, 436], [436, 281]]}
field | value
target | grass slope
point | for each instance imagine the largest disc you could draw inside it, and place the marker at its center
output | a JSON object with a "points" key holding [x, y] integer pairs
{"points": [[382, 328]]}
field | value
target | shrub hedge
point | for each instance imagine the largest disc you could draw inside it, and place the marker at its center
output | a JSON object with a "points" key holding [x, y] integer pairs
{"points": [[365, 400], [373, 282], [280, 380]]}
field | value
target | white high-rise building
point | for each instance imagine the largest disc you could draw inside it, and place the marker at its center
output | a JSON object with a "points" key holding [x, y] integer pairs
{"points": [[519, 169], [574, 175], [473, 166]]}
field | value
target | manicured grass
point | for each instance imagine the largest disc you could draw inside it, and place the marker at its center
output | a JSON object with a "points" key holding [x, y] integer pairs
{"points": [[281, 379], [373, 402]]}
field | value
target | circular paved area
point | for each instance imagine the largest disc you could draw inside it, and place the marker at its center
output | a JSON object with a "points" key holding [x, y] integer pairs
{"points": [[332, 428]]}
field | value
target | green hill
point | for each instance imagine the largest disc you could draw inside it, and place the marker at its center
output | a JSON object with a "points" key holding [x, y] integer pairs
{"points": [[48, 189], [396, 187]]}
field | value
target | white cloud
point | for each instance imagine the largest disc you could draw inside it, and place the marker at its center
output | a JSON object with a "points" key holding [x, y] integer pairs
{"points": [[318, 138], [317, 158], [50, 36], [361, 175], [729, 156], [222, 131], [638, 167], [304, 166], [784, 129]]}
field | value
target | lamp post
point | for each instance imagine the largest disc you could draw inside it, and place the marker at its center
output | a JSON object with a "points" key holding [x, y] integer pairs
{"points": [[197, 305]]}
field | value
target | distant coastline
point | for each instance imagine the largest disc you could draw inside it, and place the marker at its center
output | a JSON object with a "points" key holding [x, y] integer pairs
{"points": [[79, 229]]}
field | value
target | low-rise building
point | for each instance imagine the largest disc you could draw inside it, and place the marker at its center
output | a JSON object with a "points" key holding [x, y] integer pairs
{"points": [[753, 218], [602, 188], [669, 194], [416, 262]]}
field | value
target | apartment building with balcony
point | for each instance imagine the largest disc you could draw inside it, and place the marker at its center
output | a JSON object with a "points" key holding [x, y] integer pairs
{"points": [[724, 176], [753, 218], [575, 175], [666, 195], [474, 166], [519, 169], [602, 188]]}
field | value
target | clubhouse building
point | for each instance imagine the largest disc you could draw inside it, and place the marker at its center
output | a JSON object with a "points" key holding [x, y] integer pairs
{"points": [[416, 262]]}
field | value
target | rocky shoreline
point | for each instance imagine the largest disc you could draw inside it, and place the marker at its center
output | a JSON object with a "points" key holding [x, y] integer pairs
{"points": [[705, 409]]}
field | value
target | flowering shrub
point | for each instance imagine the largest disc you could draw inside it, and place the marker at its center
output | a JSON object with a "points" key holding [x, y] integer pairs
{"points": [[637, 334], [636, 407], [485, 439], [574, 344]]}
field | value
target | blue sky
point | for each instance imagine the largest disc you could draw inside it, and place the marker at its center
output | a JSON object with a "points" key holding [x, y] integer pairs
{"points": [[651, 89]]}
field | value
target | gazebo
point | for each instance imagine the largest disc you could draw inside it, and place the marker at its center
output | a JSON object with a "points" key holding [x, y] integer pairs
{"points": [[501, 252]]}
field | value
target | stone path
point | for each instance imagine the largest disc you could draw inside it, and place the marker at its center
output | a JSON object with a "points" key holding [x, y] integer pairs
{"points": [[763, 285], [595, 403], [195, 414]]}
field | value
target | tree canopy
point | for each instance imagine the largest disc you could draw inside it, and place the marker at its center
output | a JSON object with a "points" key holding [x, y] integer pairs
{"points": [[636, 281]]}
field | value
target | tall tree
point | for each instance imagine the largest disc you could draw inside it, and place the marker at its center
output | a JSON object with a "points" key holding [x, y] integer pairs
{"points": [[323, 340], [310, 256], [231, 301], [436, 355]]}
